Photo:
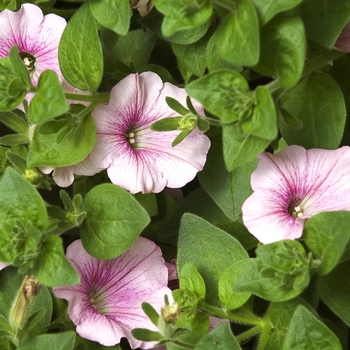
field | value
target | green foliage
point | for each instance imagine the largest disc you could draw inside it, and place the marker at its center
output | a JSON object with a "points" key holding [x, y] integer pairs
{"points": [[59, 341], [54, 140], [324, 20], [49, 101], [80, 51], [114, 220], [14, 81], [283, 48], [307, 332], [183, 14], [237, 38], [268, 9], [280, 272], [319, 103], [113, 14], [209, 249], [335, 289], [220, 338], [326, 235]]}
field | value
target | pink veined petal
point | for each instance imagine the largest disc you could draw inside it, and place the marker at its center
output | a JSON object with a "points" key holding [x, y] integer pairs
{"points": [[35, 34], [317, 180], [152, 169], [137, 275]]}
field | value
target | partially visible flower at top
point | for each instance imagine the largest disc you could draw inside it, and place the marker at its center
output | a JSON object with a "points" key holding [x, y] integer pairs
{"points": [[292, 186], [2, 266], [106, 305], [143, 6], [36, 35], [343, 41], [136, 157]]}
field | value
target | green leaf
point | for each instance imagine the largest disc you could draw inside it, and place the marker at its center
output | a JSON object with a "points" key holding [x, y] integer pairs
{"points": [[240, 148], [14, 81], [14, 139], [154, 21], [324, 20], [167, 124], [58, 341], [193, 203], [335, 291], [209, 249], [268, 9], [146, 335], [19, 200], [237, 38], [229, 298], [280, 272], [326, 235], [13, 121], [222, 93], [148, 201], [191, 280], [113, 14], [180, 137], [214, 60], [319, 103], [134, 48], [182, 14], [307, 332], [63, 141], [192, 56], [49, 101], [114, 220], [80, 51], [229, 190], [151, 313], [283, 48], [51, 267], [263, 120], [280, 315], [220, 338]]}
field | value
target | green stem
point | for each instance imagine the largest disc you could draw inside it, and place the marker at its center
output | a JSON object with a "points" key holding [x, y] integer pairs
{"points": [[235, 318], [100, 98], [183, 344], [86, 111], [309, 67], [226, 4], [265, 334], [249, 333]]}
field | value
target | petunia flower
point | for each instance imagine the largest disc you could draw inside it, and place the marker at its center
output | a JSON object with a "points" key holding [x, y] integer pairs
{"points": [[137, 158], [36, 35], [292, 186], [106, 305]]}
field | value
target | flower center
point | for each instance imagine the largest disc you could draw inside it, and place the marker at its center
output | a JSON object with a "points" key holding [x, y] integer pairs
{"points": [[28, 60], [136, 136], [297, 212], [97, 300]]}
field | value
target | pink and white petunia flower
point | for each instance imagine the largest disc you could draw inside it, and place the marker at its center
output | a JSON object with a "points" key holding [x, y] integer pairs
{"points": [[36, 35], [137, 158], [106, 305], [292, 186]]}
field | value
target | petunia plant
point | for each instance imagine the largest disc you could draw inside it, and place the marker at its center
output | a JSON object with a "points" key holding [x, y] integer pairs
{"points": [[174, 174]]}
